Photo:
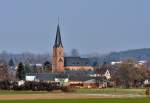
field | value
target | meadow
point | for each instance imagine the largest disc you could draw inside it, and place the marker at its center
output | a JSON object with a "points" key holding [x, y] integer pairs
{"points": [[82, 90], [112, 100], [81, 95], [139, 91]]}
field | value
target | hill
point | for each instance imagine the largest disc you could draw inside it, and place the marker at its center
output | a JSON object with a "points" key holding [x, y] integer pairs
{"points": [[138, 54]]}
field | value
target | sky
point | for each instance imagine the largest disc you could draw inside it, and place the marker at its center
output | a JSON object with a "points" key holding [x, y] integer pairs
{"points": [[90, 26]]}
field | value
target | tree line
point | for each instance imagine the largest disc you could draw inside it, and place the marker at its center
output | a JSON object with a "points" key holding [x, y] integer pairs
{"points": [[127, 74]]}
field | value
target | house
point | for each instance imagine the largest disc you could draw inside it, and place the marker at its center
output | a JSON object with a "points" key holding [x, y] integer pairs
{"points": [[114, 63], [104, 71], [62, 79], [90, 83]]}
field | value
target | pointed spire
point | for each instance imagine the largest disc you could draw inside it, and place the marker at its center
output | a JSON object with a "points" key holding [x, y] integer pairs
{"points": [[58, 42]]}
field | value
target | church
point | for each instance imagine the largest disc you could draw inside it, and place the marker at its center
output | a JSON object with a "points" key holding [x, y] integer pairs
{"points": [[66, 70], [60, 63]]}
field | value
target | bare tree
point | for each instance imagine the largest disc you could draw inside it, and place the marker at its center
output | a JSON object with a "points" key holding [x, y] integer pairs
{"points": [[75, 53], [4, 74], [129, 74]]}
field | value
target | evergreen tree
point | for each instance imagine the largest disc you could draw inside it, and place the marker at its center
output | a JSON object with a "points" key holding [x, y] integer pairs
{"points": [[27, 68], [21, 71], [11, 63]]}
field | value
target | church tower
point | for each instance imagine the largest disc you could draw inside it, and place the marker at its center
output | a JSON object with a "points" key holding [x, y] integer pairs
{"points": [[58, 53]]}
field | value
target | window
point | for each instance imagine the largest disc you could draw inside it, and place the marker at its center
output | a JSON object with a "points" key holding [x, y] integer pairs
{"points": [[60, 60]]}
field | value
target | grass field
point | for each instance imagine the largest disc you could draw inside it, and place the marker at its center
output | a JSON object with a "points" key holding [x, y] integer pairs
{"points": [[112, 91], [83, 90], [121, 100], [79, 96], [7, 92]]}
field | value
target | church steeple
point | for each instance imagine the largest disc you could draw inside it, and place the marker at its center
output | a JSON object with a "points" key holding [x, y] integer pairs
{"points": [[58, 53], [58, 42]]}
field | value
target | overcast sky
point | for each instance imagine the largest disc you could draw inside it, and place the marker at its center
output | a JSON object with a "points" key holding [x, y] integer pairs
{"points": [[90, 26]]}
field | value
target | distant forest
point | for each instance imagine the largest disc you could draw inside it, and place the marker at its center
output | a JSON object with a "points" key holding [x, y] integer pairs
{"points": [[137, 54], [26, 57]]}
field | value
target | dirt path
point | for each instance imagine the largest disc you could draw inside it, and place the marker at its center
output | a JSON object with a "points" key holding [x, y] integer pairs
{"points": [[62, 96]]}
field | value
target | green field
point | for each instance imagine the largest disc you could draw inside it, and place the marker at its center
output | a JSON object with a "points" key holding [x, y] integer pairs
{"points": [[7, 92], [112, 91], [83, 90], [127, 100]]}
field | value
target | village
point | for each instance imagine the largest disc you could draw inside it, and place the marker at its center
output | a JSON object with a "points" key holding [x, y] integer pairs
{"points": [[73, 72], [74, 51]]}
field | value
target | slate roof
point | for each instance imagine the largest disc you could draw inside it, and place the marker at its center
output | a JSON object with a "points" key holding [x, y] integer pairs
{"points": [[79, 72], [58, 42], [79, 78], [48, 76], [52, 76], [76, 61]]}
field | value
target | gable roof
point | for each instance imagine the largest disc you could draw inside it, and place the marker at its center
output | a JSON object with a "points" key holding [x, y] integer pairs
{"points": [[76, 61]]}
